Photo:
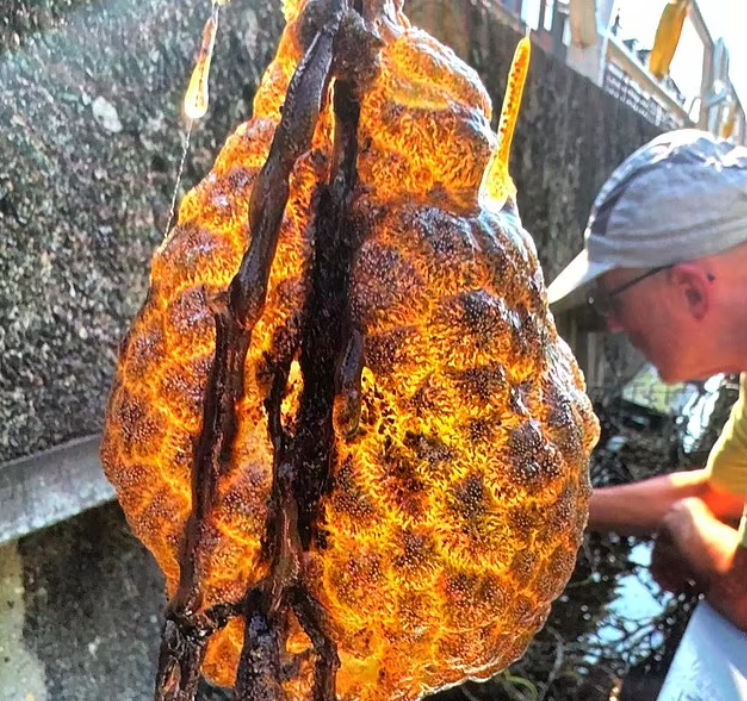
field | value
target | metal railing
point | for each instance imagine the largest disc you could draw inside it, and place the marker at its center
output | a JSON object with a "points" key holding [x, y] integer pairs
{"points": [[627, 89]]}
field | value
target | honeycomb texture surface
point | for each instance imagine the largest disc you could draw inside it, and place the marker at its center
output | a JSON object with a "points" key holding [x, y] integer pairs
{"points": [[456, 510]]}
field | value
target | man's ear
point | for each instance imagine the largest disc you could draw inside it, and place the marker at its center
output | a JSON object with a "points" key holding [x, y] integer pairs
{"points": [[692, 287]]}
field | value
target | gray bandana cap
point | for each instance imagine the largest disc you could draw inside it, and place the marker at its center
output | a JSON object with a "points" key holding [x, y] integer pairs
{"points": [[681, 197]]}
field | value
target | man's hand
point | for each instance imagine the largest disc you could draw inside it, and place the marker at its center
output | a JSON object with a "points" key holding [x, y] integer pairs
{"points": [[692, 544], [669, 568]]}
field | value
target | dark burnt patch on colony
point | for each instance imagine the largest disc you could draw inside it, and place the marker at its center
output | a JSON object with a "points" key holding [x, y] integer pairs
{"points": [[351, 499], [486, 383], [533, 464], [393, 350]]}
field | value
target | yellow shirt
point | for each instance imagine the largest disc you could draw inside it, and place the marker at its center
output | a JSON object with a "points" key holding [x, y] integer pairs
{"points": [[727, 461]]}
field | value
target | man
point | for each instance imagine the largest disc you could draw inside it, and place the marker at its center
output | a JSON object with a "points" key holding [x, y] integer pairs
{"points": [[665, 262]]}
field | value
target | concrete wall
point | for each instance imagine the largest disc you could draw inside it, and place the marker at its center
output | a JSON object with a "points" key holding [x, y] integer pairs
{"points": [[85, 188], [90, 138]]}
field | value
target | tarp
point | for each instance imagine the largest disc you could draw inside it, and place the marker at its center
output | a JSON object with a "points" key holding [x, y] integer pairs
{"points": [[710, 663]]}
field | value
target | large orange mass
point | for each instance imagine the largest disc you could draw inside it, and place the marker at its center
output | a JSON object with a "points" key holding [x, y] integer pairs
{"points": [[409, 372]]}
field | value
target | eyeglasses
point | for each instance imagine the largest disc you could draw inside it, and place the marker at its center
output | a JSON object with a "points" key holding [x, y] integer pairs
{"points": [[605, 304]]}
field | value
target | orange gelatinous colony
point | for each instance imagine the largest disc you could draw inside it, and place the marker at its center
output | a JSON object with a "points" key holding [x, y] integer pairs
{"points": [[459, 492]]}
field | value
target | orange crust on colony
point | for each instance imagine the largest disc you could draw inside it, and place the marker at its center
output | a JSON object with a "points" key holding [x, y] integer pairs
{"points": [[457, 508]]}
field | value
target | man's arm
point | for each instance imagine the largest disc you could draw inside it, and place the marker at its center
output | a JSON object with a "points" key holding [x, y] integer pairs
{"points": [[639, 508]]}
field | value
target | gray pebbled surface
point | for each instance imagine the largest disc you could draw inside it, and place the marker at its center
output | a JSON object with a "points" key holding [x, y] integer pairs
{"points": [[90, 140]]}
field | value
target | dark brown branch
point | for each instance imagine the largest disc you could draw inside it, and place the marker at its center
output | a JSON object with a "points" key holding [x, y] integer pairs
{"points": [[259, 674], [330, 359], [313, 619], [248, 289], [327, 316], [186, 631]]}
